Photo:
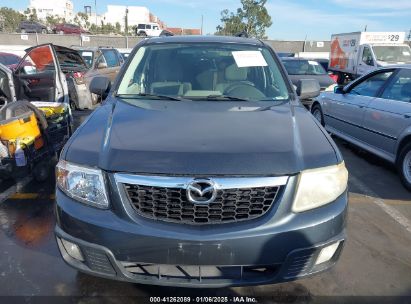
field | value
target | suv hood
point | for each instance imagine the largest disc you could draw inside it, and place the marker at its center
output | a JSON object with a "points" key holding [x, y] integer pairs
{"points": [[201, 138]]}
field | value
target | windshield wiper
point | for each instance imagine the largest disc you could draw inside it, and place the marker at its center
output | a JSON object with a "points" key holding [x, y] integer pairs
{"points": [[225, 97], [273, 99], [155, 96]]}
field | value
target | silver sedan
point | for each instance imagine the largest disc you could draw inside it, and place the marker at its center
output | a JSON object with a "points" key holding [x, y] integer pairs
{"points": [[374, 113]]}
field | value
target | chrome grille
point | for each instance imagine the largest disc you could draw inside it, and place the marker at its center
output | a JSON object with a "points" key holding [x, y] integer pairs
{"points": [[169, 202]]}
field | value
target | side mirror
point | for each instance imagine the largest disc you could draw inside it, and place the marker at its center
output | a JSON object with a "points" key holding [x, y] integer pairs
{"points": [[102, 65], [308, 88], [339, 90], [100, 85], [29, 69], [370, 61]]}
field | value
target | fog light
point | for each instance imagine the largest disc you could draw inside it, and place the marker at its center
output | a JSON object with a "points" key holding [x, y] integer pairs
{"points": [[73, 250], [327, 253]]}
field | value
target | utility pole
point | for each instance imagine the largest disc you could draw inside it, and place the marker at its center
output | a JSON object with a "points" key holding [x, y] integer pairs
{"points": [[95, 7], [305, 40], [409, 35], [202, 24], [365, 29], [126, 22]]}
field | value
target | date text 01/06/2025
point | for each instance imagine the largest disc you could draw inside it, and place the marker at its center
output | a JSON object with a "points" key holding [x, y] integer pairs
{"points": [[236, 299]]}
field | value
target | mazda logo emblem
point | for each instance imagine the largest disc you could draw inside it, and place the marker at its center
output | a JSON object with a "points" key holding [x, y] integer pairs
{"points": [[201, 191]]}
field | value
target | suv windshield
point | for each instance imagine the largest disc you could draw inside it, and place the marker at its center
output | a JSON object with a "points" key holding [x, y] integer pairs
{"points": [[393, 53], [88, 57], [70, 59], [303, 67], [204, 71]]}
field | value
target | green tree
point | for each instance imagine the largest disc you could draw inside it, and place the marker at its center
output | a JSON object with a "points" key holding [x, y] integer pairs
{"points": [[32, 14], [118, 28], [231, 24], [252, 18], [94, 28], [53, 20], [10, 19], [105, 28], [81, 19]]}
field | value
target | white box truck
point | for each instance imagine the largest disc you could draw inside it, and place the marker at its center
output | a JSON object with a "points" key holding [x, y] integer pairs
{"points": [[355, 54]]}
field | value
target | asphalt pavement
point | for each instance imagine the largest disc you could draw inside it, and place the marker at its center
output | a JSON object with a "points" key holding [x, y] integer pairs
{"points": [[376, 261]]}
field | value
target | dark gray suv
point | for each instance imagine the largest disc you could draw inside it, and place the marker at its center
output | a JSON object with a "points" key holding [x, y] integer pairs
{"points": [[201, 169], [32, 27]]}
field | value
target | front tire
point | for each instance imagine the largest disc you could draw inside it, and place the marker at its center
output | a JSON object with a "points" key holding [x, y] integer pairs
{"points": [[317, 112], [41, 171], [73, 99], [73, 105], [404, 166]]}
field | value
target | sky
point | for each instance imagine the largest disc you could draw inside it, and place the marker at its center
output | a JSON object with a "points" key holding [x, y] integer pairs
{"points": [[292, 19]]}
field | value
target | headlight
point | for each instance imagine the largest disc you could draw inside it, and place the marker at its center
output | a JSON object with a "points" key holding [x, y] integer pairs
{"points": [[319, 187], [82, 184]]}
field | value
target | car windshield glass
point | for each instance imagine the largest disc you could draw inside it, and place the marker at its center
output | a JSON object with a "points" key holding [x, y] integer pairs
{"points": [[303, 67], [392, 53], [9, 59], [204, 71], [88, 57], [70, 59]]}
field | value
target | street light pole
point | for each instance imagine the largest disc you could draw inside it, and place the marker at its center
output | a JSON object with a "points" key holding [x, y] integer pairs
{"points": [[95, 7], [126, 22]]}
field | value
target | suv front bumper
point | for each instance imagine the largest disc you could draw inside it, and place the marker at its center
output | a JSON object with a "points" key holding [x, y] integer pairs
{"points": [[279, 247], [100, 261]]}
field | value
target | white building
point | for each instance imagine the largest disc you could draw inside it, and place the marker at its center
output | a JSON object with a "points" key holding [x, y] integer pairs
{"points": [[117, 13], [92, 19], [61, 8]]}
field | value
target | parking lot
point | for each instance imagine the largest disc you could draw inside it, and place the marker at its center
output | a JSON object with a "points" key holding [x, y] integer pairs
{"points": [[376, 260]]}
